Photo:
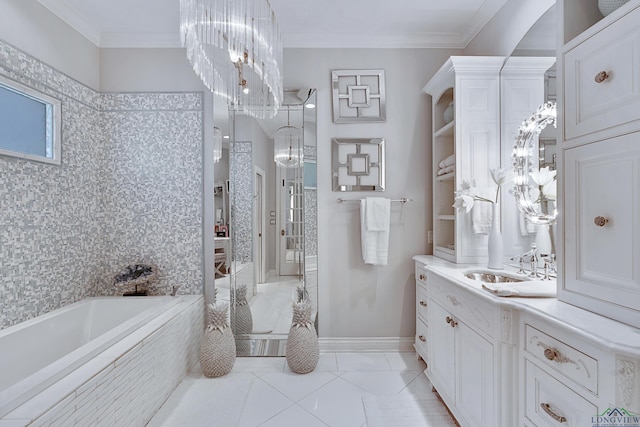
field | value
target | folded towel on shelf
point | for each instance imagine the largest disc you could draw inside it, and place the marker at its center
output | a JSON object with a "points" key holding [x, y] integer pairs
{"points": [[375, 216], [447, 169], [481, 214], [532, 289], [447, 161]]}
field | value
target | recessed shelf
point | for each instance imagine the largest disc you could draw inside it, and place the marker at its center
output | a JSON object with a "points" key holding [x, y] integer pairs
{"points": [[446, 130]]}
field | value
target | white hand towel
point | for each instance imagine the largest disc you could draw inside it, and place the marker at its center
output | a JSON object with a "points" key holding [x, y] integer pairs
{"points": [[375, 244], [378, 213], [482, 212], [526, 226]]}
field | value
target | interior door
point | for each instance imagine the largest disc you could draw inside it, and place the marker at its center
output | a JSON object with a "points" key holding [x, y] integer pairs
{"points": [[291, 253]]}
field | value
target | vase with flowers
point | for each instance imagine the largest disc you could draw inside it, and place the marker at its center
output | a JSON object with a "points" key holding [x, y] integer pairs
{"points": [[469, 194]]}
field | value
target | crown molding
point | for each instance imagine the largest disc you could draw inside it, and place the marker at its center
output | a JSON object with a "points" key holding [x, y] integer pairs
{"points": [[140, 40], [342, 41], [74, 19]]}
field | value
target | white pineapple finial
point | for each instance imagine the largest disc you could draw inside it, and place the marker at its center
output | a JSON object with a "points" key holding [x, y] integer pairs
{"points": [[302, 314], [218, 317]]}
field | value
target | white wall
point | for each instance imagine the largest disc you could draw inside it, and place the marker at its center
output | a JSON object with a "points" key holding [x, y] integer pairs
{"points": [[358, 300], [29, 26]]}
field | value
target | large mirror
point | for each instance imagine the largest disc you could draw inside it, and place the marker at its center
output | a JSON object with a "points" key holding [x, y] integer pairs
{"points": [[527, 83], [266, 226]]}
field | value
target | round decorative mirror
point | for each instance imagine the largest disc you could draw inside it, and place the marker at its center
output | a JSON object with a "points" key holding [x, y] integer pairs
{"points": [[535, 187]]}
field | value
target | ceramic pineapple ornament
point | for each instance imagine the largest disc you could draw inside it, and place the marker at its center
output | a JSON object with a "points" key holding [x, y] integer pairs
{"points": [[243, 320], [218, 348], [302, 345]]}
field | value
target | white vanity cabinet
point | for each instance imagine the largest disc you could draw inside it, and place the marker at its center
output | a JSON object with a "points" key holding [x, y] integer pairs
{"points": [[471, 87], [470, 364], [422, 330], [600, 174], [572, 378], [533, 362]]}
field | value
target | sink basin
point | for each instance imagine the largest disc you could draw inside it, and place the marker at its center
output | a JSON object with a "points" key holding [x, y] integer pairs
{"points": [[488, 277]]}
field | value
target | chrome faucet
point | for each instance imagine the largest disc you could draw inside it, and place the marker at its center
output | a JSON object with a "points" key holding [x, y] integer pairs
{"points": [[549, 266], [174, 290], [531, 257]]}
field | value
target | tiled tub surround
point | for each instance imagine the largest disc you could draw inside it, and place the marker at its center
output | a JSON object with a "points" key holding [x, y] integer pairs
{"points": [[126, 383], [129, 190]]}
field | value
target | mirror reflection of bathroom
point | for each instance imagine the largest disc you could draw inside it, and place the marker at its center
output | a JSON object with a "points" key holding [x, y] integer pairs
{"points": [[267, 227], [528, 80]]}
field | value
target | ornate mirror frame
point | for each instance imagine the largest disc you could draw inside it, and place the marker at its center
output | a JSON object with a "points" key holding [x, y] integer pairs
{"points": [[530, 194]]}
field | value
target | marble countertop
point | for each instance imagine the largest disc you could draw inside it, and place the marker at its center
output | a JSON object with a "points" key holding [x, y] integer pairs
{"points": [[616, 336]]}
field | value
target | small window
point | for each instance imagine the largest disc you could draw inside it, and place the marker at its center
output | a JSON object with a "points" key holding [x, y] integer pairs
{"points": [[29, 123]]}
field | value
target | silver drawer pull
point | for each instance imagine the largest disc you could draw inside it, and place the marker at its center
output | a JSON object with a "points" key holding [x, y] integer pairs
{"points": [[547, 408], [423, 303], [600, 221], [601, 76], [422, 338]]}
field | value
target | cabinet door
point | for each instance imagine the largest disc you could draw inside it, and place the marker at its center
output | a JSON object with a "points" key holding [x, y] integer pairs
{"points": [[602, 228], [441, 345], [474, 387], [602, 79]]}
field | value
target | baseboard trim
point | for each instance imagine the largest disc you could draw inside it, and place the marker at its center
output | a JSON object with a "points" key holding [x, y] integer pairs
{"points": [[366, 345]]}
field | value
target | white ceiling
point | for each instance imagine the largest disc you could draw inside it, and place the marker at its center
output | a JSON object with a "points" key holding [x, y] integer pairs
{"points": [[303, 23]]}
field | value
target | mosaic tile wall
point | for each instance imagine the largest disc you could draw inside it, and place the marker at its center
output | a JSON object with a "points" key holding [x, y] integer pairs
{"points": [[129, 187], [241, 200], [154, 194]]}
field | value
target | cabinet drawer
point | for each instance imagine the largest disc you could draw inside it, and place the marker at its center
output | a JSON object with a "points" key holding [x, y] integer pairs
{"points": [[602, 79], [421, 275], [422, 335], [421, 302], [464, 306], [548, 402], [563, 358]]}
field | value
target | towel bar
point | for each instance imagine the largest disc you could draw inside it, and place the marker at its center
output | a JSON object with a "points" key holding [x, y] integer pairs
{"points": [[402, 200]]}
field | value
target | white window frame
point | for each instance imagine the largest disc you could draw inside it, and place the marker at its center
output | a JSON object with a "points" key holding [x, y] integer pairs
{"points": [[56, 122]]}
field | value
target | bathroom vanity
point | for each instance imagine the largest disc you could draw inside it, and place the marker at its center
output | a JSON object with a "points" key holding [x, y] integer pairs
{"points": [[499, 361]]}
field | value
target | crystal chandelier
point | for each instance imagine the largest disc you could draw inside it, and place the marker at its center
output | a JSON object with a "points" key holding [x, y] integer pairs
{"points": [[287, 146], [235, 48], [217, 144]]}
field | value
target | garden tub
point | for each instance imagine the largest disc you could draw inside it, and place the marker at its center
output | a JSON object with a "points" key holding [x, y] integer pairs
{"points": [[38, 353]]}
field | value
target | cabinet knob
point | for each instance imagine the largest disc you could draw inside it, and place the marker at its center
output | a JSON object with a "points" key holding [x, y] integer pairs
{"points": [[421, 276], [423, 303], [601, 76], [422, 338], [547, 408], [600, 221], [451, 321]]}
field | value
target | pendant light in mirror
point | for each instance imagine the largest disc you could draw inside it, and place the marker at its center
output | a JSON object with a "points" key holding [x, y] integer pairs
{"points": [[217, 144], [287, 146]]}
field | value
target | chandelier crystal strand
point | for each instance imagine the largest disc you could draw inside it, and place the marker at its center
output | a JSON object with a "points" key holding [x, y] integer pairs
{"points": [[228, 41]]}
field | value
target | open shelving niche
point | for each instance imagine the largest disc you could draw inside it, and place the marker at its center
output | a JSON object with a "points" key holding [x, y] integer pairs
{"points": [[445, 185]]}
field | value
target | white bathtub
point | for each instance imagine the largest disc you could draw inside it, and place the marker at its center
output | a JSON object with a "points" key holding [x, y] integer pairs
{"points": [[39, 352]]}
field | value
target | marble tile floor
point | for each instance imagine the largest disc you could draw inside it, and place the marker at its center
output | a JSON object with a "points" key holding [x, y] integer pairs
{"points": [[346, 389]]}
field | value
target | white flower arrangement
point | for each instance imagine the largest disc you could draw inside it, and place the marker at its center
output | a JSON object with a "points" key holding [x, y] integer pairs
{"points": [[469, 193], [545, 179]]}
